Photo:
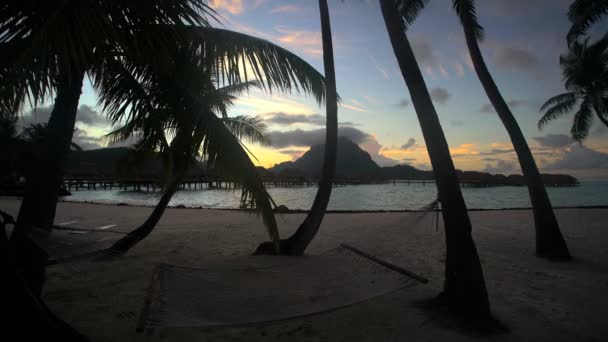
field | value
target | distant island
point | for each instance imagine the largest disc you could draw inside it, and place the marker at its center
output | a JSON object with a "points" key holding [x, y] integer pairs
{"points": [[354, 166]]}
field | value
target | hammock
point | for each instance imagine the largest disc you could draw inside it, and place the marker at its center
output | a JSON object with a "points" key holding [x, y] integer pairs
{"points": [[256, 289], [69, 244]]}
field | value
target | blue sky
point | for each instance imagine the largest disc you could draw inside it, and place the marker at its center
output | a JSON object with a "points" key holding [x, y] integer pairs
{"points": [[523, 40]]}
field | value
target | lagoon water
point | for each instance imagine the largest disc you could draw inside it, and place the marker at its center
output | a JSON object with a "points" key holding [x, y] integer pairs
{"points": [[397, 196]]}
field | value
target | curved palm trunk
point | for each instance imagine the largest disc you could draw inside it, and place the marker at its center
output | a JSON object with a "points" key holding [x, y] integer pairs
{"points": [[44, 181], [549, 240], [25, 314], [45, 177], [127, 242], [464, 286], [299, 241]]}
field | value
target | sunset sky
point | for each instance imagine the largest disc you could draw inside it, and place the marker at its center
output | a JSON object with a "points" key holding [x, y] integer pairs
{"points": [[523, 41]]}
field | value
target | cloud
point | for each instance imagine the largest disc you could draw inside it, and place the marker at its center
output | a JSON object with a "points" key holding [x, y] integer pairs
{"points": [[302, 138], [513, 104], [403, 103], [440, 95], [232, 6], [554, 140], [424, 52], [579, 157], [295, 154], [307, 41], [459, 69], [85, 115], [502, 167], [381, 69], [89, 116], [86, 142], [285, 9], [355, 108], [285, 119], [515, 58], [497, 151], [410, 142]]}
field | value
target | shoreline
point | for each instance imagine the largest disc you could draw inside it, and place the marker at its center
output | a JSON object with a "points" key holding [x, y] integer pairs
{"points": [[302, 211]]}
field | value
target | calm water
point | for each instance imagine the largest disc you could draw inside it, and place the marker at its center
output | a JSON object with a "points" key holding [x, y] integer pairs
{"points": [[362, 197]]}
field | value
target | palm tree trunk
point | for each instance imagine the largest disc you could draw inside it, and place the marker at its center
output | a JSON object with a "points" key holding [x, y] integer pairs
{"points": [[464, 287], [549, 240], [127, 242], [23, 311], [299, 241], [45, 177], [44, 181]]}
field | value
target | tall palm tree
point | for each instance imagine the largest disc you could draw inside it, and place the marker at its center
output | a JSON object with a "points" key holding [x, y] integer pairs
{"points": [[181, 104], [57, 43], [585, 70], [464, 286], [583, 14], [36, 133], [549, 240], [47, 48], [299, 241]]}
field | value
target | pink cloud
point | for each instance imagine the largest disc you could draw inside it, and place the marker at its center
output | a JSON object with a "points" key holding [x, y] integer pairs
{"points": [[232, 6], [285, 9]]}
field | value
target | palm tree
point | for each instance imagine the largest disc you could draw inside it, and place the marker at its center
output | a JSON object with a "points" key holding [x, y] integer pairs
{"points": [[55, 46], [299, 241], [47, 48], [583, 14], [464, 286], [36, 133], [181, 104], [585, 70], [549, 240]]}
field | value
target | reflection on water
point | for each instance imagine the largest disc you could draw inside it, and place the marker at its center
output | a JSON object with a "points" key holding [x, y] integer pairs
{"points": [[390, 196]]}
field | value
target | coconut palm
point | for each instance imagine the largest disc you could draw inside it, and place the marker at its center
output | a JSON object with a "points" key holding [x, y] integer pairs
{"points": [[180, 112], [299, 241], [464, 286], [583, 14], [47, 47], [585, 70], [549, 240], [36, 134]]}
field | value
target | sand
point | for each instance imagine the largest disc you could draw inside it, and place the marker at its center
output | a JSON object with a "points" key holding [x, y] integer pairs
{"points": [[538, 300]]}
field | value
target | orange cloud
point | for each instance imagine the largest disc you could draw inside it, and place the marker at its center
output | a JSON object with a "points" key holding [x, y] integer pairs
{"points": [[232, 6], [443, 71], [357, 109], [285, 9]]}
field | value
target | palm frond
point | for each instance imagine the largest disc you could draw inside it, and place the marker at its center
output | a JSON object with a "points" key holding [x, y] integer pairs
{"points": [[583, 120], [557, 99], [465, 9], [39, 39], [231, 53], [409, 11], [225, 152], [250, 128], [583, 14], [557, 106]]}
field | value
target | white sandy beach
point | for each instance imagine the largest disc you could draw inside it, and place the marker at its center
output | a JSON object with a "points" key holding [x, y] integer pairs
{"points": [[538, 300]]}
